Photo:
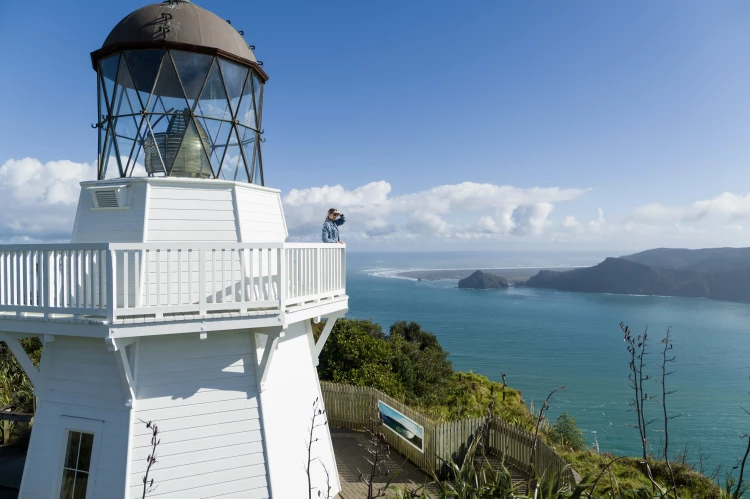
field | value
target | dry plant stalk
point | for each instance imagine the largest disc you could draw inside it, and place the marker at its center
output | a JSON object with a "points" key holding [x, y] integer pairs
{"points": [[667, 342], [317, 413], [378, 451], [637, 350], [148, 486], [545, 407]]}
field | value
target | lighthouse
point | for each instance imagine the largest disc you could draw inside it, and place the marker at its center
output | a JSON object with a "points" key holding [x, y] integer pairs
{"points": [[178, 302]]}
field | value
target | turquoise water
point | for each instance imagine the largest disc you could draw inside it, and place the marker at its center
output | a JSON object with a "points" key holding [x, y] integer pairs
{"points": [[542, 339]]}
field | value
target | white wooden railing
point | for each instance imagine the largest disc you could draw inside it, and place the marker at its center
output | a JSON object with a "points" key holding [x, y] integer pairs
{"points": [[165, 279]]}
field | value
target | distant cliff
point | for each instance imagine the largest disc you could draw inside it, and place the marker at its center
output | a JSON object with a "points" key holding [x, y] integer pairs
{"points": [[481, 280], [717, 273]]}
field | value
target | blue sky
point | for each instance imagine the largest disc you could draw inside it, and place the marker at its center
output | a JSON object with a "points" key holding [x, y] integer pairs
{"points": [[640, 110]]}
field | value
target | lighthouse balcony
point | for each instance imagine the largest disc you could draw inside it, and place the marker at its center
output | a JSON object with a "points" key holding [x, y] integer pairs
{"points": [[131, 284]]}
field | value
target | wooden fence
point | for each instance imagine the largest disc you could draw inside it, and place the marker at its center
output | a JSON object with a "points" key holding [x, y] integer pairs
{"points": [[356, 408]]}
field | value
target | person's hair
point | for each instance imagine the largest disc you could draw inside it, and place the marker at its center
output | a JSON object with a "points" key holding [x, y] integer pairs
{"points": [[331, 211]]}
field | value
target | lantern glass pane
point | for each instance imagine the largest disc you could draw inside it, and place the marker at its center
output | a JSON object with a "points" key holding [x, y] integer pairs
{"points": [[144, 66], [192, 70], [234, 81]]}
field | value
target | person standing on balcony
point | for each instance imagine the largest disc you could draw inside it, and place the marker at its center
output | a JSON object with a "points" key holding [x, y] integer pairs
{"points": [[331, 226]]}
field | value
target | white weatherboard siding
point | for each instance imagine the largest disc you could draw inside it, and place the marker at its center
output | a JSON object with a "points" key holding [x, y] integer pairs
{"points": [[181, 210], [203, 396], [195, 213], [260, 214], [80, 382], [290, 390]]}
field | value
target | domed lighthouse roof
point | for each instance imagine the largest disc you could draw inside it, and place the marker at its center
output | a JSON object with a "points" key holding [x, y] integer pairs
{"points": [[179, 24]]}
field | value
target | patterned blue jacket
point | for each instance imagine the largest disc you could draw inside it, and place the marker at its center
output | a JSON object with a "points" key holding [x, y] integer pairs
{"points": [[331, 230]]}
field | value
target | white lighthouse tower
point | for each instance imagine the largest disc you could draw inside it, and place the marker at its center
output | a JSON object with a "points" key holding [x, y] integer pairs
{"points": [[177, 300]]}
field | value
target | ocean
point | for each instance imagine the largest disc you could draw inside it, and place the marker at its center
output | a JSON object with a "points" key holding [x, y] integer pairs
{"points": [[542, 339]]}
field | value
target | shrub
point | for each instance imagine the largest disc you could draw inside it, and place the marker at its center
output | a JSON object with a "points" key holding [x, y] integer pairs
{"points": [[566, 433]]}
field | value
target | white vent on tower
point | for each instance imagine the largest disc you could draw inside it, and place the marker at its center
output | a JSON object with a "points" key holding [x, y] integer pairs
{"points": [[106, 199], [111, 197]]}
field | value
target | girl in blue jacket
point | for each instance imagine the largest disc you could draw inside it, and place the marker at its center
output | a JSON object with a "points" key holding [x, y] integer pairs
{"points": [[331, 226]]}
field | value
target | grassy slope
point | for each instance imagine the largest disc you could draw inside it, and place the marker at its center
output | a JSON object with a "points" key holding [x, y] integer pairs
{"points": [[473, 393]]}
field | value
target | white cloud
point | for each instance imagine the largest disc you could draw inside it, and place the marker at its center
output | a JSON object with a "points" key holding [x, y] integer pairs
{"points": [[726, 206], [571, 222], [465, 211], [39, 200], [531, 219], [597, 225]]}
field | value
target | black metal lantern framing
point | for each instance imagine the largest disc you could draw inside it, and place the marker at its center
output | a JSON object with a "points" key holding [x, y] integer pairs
{"points": [[170, 108]]}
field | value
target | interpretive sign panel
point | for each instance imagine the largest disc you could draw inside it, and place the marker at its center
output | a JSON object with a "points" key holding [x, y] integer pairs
{"points": [[402, 426]]}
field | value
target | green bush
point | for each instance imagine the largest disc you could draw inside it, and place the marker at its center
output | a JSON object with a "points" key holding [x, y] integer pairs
{"points": [[565, 432], [356, 353]]}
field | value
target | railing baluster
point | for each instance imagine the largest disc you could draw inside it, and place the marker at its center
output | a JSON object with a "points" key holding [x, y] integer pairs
{"points": [[202, 281], [102, 265], [169, 277], [112, 286], [223, 272], [231, 279], [14, 277], [190, 275], [27, 263], [260, 275], [125, 280], [270, 282], [147, 270], [179, 277], [158, 278], [252, 275], [79, 284], [242, 254], [65, 279], [45, 268], [137, 278], [213, 276], [282, 271], [34, 258], [87, 279]]}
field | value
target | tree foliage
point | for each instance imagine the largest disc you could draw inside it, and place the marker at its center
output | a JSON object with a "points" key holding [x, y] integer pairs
{"points": [[409, 363], [15, 386], [566, 433]]}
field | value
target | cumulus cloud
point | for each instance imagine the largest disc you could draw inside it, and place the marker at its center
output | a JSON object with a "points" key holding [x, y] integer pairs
{"points": [[465, 211], [39, 199], [571, 222], [598, 224], [727, 206]]}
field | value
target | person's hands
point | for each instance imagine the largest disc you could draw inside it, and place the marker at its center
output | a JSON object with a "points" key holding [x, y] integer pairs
{"points": [[341, 242]]}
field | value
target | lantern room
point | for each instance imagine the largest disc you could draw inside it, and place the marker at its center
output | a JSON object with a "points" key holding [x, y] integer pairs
{"points": [[180, 94]]}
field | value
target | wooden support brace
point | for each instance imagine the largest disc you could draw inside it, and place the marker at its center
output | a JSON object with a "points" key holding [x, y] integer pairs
{"points": [[326, 331], [264, 362], [22, 357], [123, 367]]}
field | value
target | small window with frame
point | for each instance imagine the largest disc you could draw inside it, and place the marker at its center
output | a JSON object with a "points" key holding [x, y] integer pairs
{"points": [[78, 455], [77, 465]]}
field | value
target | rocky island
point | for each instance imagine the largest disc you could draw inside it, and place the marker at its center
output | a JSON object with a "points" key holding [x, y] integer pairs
{"points": [[481, 280]]}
